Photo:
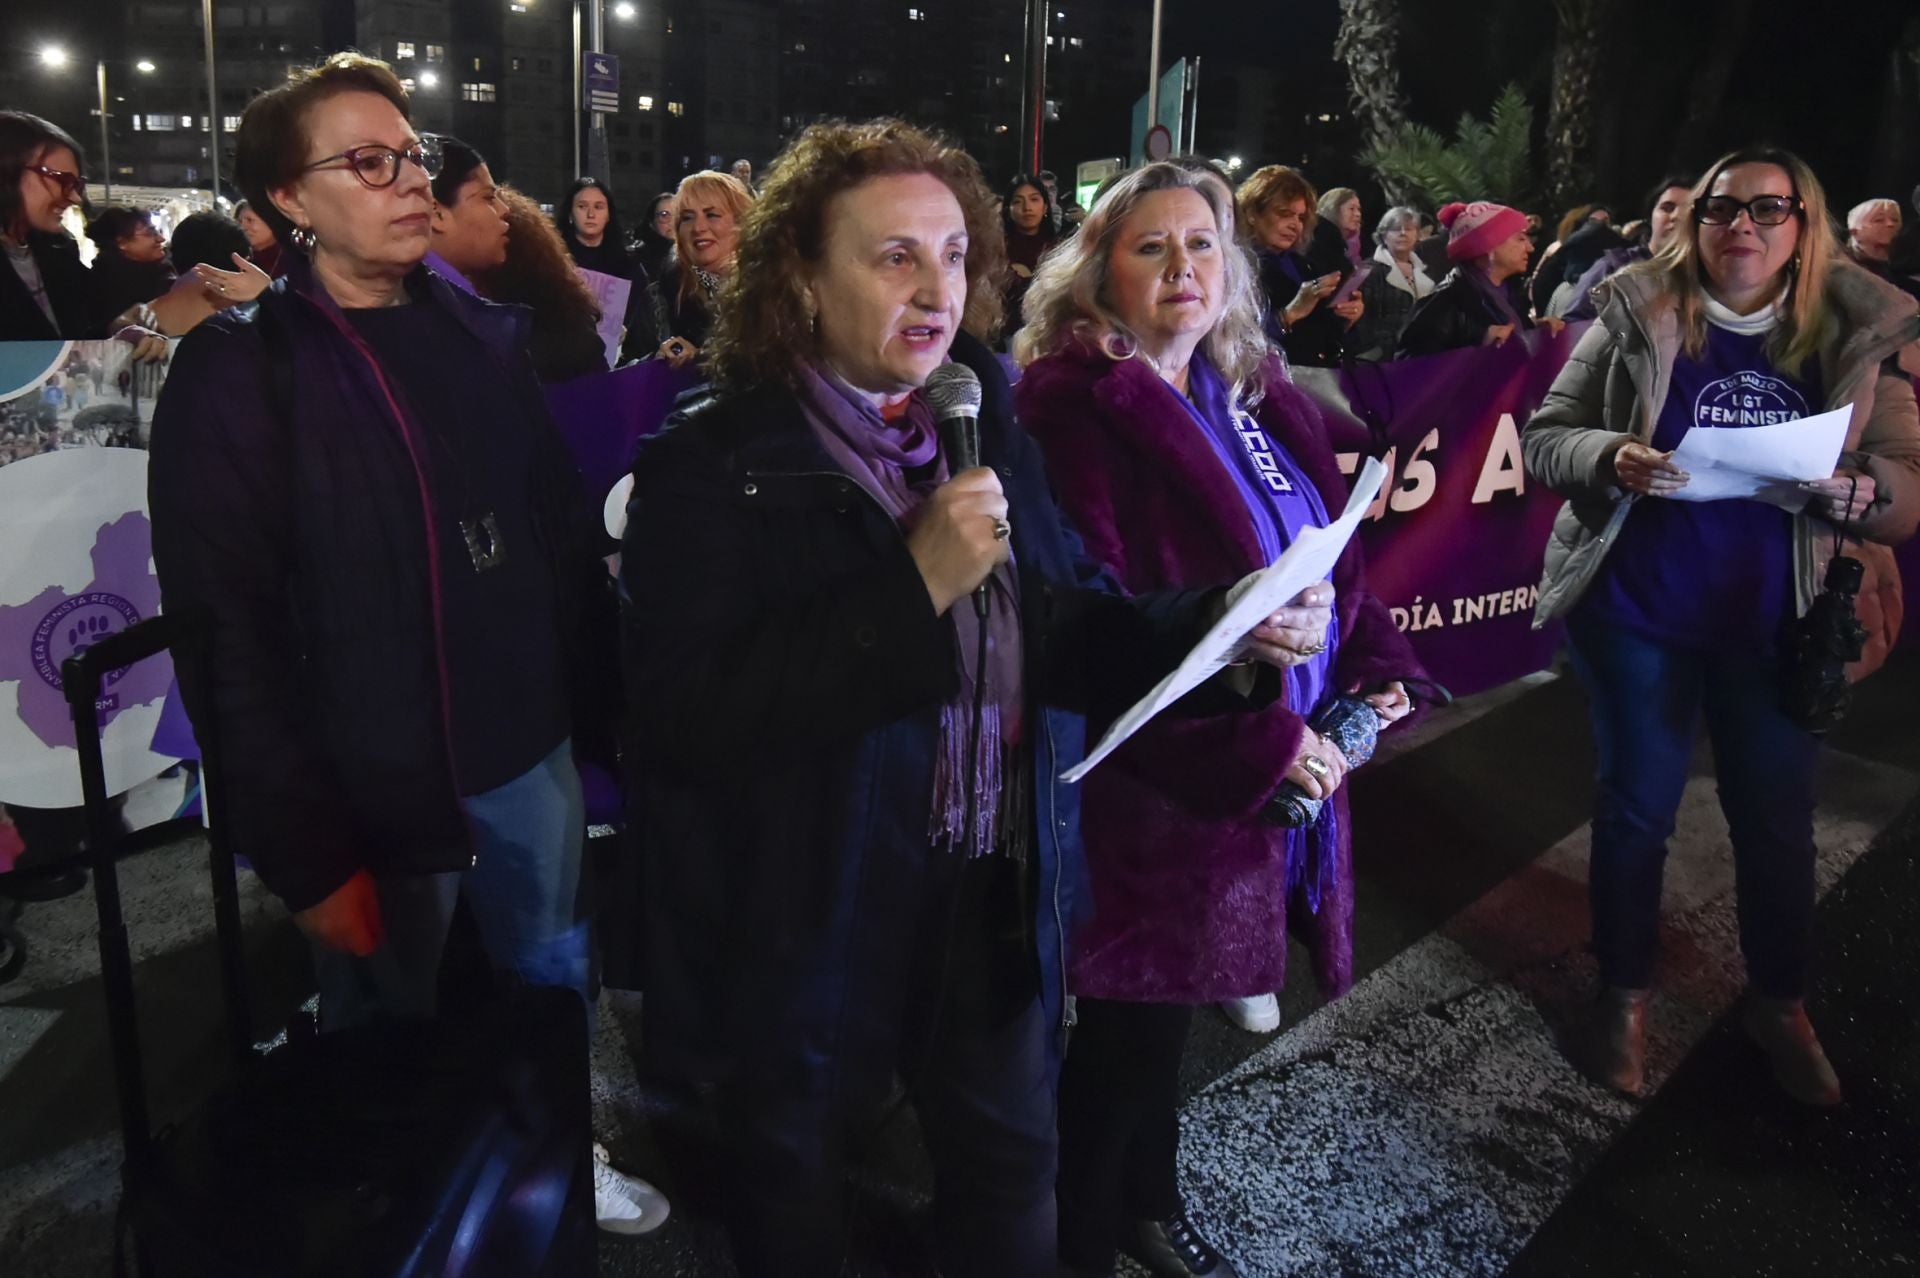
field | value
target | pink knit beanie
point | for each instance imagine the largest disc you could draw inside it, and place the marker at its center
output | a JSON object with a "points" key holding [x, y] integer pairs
{"points": [[1475, 230]]}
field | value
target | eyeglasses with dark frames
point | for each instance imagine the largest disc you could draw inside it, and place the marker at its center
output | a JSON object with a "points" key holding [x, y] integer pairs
{"points": [[71, 185], [378, 167], [1765, 210]]}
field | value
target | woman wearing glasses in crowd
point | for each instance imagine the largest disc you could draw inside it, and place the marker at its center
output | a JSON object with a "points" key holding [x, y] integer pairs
{"points": [[1749, 317], [46, 293], [359, 494]]}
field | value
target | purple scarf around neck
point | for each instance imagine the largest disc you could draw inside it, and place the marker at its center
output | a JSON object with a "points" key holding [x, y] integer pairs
{"points": [[879, 457], [1280, 501], [1494, 296]]}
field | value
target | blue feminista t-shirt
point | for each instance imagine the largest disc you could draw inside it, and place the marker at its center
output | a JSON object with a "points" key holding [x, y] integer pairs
{"points": [[1718, 573]]}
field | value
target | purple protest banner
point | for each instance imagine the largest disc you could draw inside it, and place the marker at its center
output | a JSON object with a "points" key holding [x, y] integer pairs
{"points": [[1456, 541], [602, 418]]}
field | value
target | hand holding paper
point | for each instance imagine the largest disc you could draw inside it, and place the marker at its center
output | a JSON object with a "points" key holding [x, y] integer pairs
{"points": [[1308, 560], [1765, 462]]}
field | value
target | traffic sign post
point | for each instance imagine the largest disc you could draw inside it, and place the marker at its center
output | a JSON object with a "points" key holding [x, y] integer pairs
{"points": [[600, 83], [1159, 143]]}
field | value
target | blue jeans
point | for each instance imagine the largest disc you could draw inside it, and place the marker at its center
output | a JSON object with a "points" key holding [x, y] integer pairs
{"points": [[1646, 699], [524, 892]]}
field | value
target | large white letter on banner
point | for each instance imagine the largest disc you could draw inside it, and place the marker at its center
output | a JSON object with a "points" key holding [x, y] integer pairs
{"points": [[1503, 470]]}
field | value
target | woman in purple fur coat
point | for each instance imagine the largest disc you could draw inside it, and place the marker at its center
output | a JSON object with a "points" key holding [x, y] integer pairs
{"points": [[1183, 455]]}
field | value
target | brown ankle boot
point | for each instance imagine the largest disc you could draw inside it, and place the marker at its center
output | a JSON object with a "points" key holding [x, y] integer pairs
{"points": [[1614, 1050], [1781, 1028]]}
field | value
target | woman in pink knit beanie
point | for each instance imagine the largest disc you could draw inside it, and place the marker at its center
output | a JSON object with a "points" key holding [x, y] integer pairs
{"points": [[1488, 245]]}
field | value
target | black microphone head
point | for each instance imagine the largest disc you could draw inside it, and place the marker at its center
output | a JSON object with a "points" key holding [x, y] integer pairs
{"points": [[953, 390]]}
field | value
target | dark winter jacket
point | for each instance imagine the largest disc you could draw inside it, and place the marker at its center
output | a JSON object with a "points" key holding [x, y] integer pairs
{"points": [[1452, 316], [668, 315], [291, 522], [1189, 882], [787, 674], [71, 290], [120, 284]]}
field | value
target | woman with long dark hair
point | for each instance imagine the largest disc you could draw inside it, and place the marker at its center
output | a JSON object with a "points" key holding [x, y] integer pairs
{"points": [[1027, 219], [565, 340], [589, 226], [654, 245], [46, 292]]}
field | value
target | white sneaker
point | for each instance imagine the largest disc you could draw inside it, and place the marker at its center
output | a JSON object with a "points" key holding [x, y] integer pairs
{"points": [[1257, 1015], [624, 1204]]}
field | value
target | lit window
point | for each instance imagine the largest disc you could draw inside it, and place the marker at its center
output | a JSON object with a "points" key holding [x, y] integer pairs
{"points": [[519, 64], [476, 64], [1007, 56], [916, 15], [186, 122], [436, 53], [1076, 42], [230, 124], [403, 49], [162, 123], [646, 102], [676, 108], [478, 93], [409, 85], [136, 124], [999, 128]]}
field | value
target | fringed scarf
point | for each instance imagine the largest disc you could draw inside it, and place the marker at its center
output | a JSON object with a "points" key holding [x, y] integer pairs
{"points": [[987, 775]]}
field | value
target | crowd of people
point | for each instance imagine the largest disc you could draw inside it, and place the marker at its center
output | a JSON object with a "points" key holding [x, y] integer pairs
{"points": [[842, 662]]}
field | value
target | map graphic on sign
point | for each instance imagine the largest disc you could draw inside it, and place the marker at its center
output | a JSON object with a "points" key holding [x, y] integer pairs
{"points": [[37, 637], [79, 567]]}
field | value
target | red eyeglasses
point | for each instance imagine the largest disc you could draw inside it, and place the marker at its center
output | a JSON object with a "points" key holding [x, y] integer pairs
{"points": [[72, 185]]}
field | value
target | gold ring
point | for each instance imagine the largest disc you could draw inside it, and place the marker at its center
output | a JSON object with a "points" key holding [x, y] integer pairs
{"points": [[1315, 766], [1001, 529], [1315, 650]]}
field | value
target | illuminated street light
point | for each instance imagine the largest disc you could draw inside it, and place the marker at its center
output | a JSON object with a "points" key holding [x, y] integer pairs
{"points": [[145, 66], [1233, 163], [429, 79], [53, 56], [626, 11]]}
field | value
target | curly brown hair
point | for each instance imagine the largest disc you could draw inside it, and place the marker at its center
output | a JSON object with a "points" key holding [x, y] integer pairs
{"points": [[763, 331], [538, 272], [1276, 184]]}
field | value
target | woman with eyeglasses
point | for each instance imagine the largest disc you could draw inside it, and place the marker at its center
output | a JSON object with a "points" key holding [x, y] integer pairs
{"points": [[46, 293], [1674, 607], [359, 495], [130, 266]]}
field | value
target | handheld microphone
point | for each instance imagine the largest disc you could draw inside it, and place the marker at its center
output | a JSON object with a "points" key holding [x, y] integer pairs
{"points": [[953, 393]]}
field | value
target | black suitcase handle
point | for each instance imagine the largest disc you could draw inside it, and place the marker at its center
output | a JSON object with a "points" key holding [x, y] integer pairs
{"points": [[82, 677]]}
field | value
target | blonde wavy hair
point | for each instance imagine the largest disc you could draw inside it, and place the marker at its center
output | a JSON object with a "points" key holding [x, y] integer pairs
{"points": [[1070, 300], [697, 190], [764, 330], [1806, 320]]}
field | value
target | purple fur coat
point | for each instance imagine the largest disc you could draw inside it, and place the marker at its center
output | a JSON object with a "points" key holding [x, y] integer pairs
{"points": [[1189, 899]]}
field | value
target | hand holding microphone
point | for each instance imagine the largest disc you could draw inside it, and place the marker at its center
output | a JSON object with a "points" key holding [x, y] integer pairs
{"points": [[969, 507]]}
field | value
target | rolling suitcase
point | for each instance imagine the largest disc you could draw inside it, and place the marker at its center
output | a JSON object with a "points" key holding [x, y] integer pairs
{"points": [[457, 1147]]}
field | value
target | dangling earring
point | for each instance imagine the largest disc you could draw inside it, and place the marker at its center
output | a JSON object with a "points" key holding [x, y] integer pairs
{"points": [[304, 239]]}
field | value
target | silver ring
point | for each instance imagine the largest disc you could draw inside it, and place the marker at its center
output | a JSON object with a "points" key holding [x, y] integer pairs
{"points": [[1001, 529], [1315, 766], [1315, 650]]}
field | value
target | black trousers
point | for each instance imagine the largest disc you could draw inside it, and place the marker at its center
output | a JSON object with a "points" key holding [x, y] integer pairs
{"points": [[974, 1048], [1119, 1125]]}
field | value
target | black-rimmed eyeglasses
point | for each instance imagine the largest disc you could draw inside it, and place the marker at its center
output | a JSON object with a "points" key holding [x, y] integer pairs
{"points": [[378, 167], [1765, 210]]}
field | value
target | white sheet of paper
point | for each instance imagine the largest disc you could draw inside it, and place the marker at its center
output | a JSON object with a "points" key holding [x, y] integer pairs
{"points": [[1766, 462], [1309, 559], [610, 294]]}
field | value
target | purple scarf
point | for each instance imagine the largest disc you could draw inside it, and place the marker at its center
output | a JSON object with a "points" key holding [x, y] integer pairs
{"points": [[878, 456], [1494, 296], [1280, 501]]}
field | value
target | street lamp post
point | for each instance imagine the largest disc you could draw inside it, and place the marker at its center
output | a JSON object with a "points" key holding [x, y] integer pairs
{"points": [[213, 103], [106, 152]]}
